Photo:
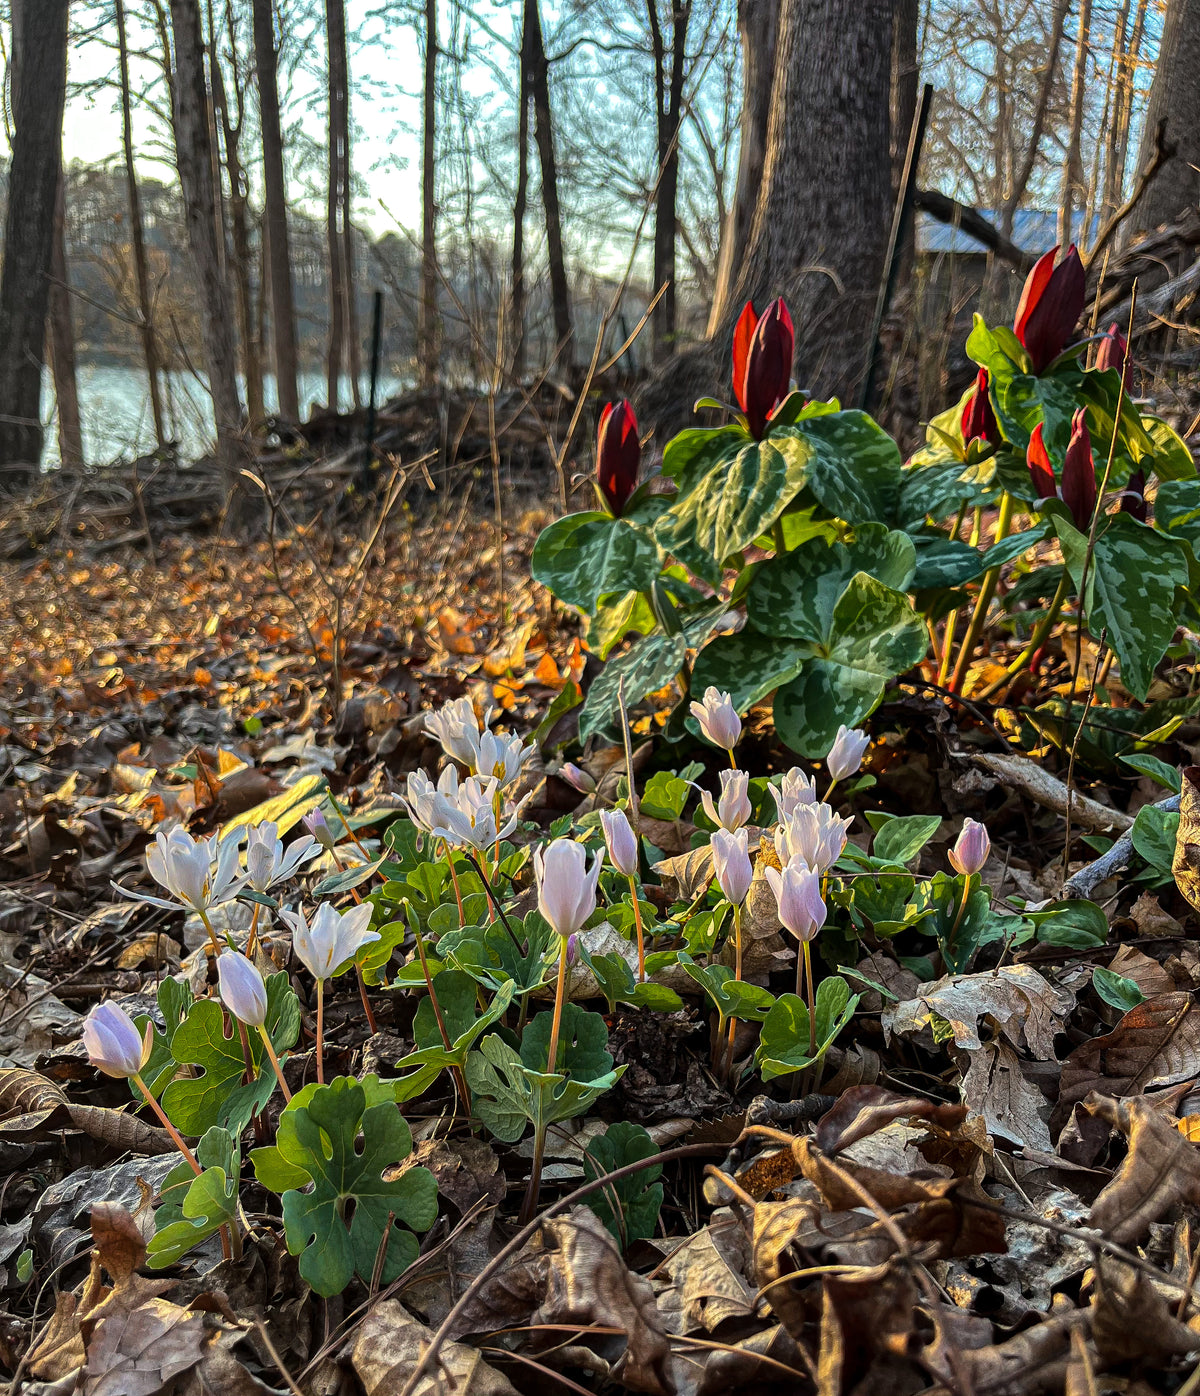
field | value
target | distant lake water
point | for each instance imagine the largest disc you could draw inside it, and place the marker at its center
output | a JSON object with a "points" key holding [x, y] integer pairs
{"points": [[114, 408]]}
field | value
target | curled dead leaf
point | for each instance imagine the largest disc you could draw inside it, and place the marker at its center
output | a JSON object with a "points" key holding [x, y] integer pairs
{"points": [[1186, 862], [1161, 1168]]}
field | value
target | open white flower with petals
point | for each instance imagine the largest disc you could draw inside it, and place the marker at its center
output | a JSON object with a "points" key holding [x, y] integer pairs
{"points": [[332, 939], [814, 834], [198, 873], [500, 755], [566, 885], [268, 861], [421, 797], [795, 787], [733, 808], [457, 728], [469, 820]]}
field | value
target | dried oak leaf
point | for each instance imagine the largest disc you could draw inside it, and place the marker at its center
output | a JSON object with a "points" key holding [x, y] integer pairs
{"points": [[1155, 1044], [587, 1282], [1147, 974], [1035, 1361], [1161, 1168], [708, 1279], [1186, 863], [995, 1087], [1131, 1320], [862, 1110], [866, 1319], [389, 1343], [32, 1107], [136, 1351]]}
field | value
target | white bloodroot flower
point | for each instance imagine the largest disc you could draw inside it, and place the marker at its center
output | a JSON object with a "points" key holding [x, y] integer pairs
{"points": [[972, 848], [733, 808], [566, 885], [621, 840], [814, 834], [242, 988], [500, 755], [469, 820], [457, 728], [198, 873], [796, 787], [846, 753], [113, 1043], [333, 938], [268, 862], [718, 719], [423, 799], [731, 861], [798, 896]]}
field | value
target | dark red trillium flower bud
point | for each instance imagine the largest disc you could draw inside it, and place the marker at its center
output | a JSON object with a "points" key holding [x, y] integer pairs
{"points": [[1040, 469], [978, 419], [763, 350], [618, 452], [1079, 474], [1050, 307], [1114, 353], [1133, 499]]}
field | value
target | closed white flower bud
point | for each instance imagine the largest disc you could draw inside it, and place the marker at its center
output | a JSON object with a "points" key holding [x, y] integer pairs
{"points": [[112, 1041], [242, 989], [846, 753], [733, 808], [972, 848], [621, 840], [718, 719], [798, 896], [731, 861], [566, 885]]}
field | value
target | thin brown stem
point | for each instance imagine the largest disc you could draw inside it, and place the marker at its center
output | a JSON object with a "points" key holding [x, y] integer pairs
{"points": [[252, 938], [637, 921], [321, 1031], [283, 1085]]}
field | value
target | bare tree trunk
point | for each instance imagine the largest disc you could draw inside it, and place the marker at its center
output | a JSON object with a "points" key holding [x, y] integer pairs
{"points": [[758, 22], [193, 157], [33, 189], [428, 325], [335, 29], [543, 129], [239, 221], [522, 198], [61, 343], [1175, 98], [905, 80], [283, 313], [820, 227], [353, 333], [137, 238], [668, 95], [1074, 182], [1118, 148]]}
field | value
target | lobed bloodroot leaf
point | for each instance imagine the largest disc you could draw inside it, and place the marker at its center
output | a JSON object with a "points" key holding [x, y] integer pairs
{"points": [[195, 1206], [629, 1207]]}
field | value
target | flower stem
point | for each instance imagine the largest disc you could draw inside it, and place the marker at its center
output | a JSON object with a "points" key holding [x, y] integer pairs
{"points": [[252, 938], [1036, 641], [529, 1206], [212, 935], [987, 590], [189, 1158], [283, 1086], [454, 880], [733, 765], [366, 1002], [962, 906], [321, 1031], [637, 921], [812, 1003]]}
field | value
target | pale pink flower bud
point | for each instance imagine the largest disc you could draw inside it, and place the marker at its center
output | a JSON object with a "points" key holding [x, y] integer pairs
{"points": [[318, 826], [971, 849], [718, 719], [621, 840], [577, 778], [731, 861], [796, 787], [112, 1041], [846, 753], [566, 885], [242, 989], [733, 808], [798, 895]]}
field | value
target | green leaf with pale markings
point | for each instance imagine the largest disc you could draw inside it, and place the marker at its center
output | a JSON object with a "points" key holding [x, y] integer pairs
{"points": [[875, 634], [1136, 569], [854, 466], [648, 666], [739, 497], [1170, 457], [747, 666], [794, 596], [584, 556], [688, 457]]}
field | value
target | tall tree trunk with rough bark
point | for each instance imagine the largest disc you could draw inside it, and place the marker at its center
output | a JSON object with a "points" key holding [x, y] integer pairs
{"points": [[137, 237], [350, 310], [543, 131], [1175, 98], [1073, 195], [517, 316], [193, 158], [33, 186], [60, 341], [428, 324], [278, 258], [758, 24], [668, 101], [820, 225], [335, 32]]}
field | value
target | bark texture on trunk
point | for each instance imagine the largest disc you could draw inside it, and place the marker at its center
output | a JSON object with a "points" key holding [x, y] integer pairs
{"points": [[1175, 98], [543, 125], [820, 226], [519, 205], [193, 158], [33, 186], [758, 24], [668, 93], [428, 325], [61, 343], [278, 258], [335, 31]]}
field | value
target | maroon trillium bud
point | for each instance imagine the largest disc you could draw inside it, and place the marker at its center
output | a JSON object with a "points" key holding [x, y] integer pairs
{"points": [[1079, 474], [1114, 353], [617, 454], [1133, 498], [1040, 469], [762, 363], [1050, 307], [978, 420]]}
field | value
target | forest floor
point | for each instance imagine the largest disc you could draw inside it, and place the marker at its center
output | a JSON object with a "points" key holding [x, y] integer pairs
{"points": [[876, 1235]]}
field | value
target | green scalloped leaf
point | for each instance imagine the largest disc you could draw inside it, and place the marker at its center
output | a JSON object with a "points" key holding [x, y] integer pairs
{"points": [[584, 556], [194, 1207]]}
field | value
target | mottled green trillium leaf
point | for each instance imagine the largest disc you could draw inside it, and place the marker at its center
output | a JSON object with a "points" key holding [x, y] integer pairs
{"points": [[629, 1208], [584, 556], [216, 1095], [338, 1224], [195, 1206]]}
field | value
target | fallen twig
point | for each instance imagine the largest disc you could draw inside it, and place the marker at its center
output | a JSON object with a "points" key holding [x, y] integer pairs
{"points": [[1084, 882]]}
